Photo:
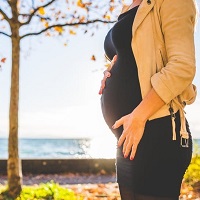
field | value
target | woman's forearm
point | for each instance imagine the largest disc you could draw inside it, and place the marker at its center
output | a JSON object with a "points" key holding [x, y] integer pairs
{"points": [[148, 106]]}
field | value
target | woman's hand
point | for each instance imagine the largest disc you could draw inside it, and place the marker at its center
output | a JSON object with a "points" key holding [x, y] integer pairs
{"points": [[134, 123], [107, 74], [132, 133]]}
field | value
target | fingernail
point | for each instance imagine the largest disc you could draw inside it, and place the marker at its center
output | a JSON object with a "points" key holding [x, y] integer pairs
{"points": [[131, 158], [125, 156], [113, 126]]}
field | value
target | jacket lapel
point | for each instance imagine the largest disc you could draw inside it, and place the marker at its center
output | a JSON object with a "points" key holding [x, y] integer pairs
{"points": [[142, 12]]}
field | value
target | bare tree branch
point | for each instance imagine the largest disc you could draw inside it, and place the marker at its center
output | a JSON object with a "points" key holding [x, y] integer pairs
{"points": [[8, 2], [27, 15], [5, 16], [35, 10], [5, 34], [45, 18], [67, 24]]}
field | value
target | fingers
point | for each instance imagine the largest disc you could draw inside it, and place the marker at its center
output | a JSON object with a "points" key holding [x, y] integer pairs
{"points": [[115, 58], [129, 144], [103, 82], [127, 148], [133, 151], [101, 89], [112, 62], [128, 139], [118, 123], [107, 74], [121, 139]]}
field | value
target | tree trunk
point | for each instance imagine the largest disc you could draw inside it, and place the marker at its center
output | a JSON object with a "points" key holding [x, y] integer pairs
{"points": [[14, 163]]}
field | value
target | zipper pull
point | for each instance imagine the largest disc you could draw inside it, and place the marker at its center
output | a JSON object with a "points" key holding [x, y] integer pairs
{"points": [[173, 116], [171, 110]]}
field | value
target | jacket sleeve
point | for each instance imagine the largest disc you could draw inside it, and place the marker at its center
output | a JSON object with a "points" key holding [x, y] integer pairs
{"points": [[177, 23]]}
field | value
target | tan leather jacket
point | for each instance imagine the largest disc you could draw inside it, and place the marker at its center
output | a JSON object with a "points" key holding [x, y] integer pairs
{"points": [[163, 46]]}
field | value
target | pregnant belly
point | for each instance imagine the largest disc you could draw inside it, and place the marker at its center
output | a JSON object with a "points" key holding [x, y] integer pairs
{"points": [[120, 96]]}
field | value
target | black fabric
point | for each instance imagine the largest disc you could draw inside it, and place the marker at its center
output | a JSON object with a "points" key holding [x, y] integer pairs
{"points": [[160, 163], [122, 92], [128, 194]]}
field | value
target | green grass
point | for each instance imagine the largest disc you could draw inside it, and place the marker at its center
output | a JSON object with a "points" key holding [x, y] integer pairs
{"points": [[44, 191]]}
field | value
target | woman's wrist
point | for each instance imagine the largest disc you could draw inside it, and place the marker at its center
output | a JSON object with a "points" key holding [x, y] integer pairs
{"points": [[139, 116], [148, 106]]}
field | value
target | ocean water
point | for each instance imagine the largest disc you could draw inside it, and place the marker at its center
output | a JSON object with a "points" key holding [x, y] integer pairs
{"points": [[49, 148], [64, 148]]}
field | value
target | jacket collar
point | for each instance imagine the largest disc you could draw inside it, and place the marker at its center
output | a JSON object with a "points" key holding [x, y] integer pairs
{"points": [[142, 12]]}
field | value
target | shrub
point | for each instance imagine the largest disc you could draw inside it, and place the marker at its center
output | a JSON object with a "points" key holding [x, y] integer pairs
{"points": [[44, 191], [192, 174]]}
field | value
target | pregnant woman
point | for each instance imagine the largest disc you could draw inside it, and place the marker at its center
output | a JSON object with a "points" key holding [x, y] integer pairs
{"points": [[144, 92]]}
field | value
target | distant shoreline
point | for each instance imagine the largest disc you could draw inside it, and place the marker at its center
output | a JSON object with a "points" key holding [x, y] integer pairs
{"points": [[82, 148]]}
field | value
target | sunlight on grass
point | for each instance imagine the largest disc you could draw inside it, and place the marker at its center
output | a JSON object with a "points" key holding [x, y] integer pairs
{"points": [[43, 191], [2, 188]]}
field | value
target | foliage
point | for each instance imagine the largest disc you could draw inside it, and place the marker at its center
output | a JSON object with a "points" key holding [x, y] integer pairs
{"points": [[191, 182], [44, 191], [51, 16], [192, 174]]}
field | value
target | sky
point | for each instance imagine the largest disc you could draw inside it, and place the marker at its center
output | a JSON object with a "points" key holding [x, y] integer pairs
{"points": [[59, 87]]}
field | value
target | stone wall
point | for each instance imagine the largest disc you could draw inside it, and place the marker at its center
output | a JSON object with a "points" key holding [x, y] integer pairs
{"points": [[52, 166]]}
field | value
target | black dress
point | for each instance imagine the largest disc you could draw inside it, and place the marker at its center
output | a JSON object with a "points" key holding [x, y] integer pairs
{"points": [[160, 162]]}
